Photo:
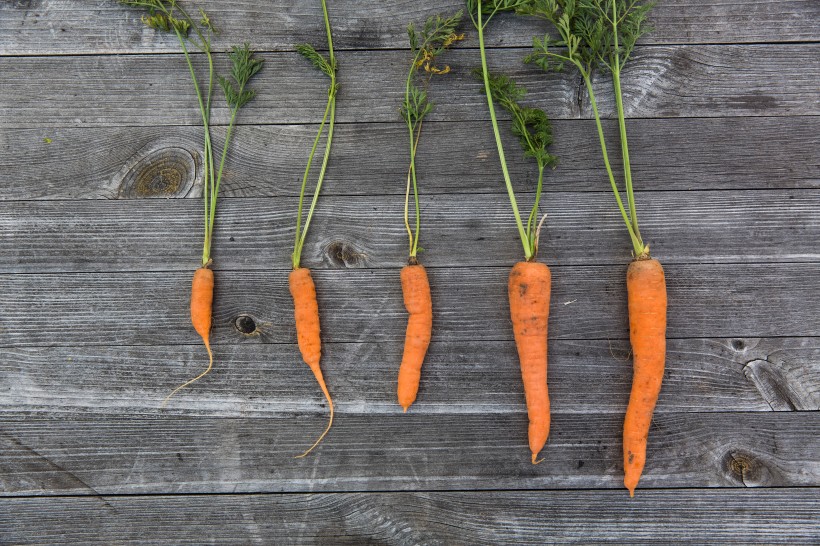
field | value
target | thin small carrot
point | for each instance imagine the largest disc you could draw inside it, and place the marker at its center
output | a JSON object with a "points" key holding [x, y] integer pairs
{"points": [[202, 298], [646, 289], [306, 313], [529, 292], [419, 304]]}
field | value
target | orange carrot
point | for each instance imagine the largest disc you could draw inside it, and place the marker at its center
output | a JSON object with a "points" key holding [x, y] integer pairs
{"points": [[202, 298], [646, 288], [419, 305], [529, 293], [306, 311]]}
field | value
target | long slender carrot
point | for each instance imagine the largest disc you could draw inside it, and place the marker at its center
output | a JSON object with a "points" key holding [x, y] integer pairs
{"points": [[202, 299], [306, 313], [529, 293], [646, 288], [419, 304]]}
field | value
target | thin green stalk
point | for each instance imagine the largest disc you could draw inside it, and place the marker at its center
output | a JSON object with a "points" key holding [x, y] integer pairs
{"points": [[330, 112], [630, 196], [321, 172], [507, 181], [304, 182], [636, 241], [531, 221], [414, 249]]}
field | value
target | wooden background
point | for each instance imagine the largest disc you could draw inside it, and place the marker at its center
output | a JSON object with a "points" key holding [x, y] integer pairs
{"points": [[100, 231]]}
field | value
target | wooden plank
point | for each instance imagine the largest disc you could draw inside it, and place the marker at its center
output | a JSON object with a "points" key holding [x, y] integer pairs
{"points": [[702, 375], [661, 81], [43, 27], [761, 516], [457, 231], [266, 161], [470, 304], [366, 452]]}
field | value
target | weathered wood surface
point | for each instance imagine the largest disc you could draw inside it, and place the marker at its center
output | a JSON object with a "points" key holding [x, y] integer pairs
{"points": [[263, 380], [30, 27], [724, 109], [659, 82], [476, 230], [771, 516], [375, 452], [709, 154], [709, 300]]}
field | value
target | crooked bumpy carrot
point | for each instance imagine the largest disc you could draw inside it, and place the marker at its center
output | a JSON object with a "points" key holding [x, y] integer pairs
{"points": [[646, 288], [529, 293], [202, 299], [306, 313], [419, 305]]}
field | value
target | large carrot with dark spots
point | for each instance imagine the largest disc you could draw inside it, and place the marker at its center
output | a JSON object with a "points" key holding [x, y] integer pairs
{"points": [[646, 288], [529, 293], [530, 281], [619, 24]]}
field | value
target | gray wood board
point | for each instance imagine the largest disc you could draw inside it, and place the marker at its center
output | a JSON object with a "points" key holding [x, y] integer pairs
{"points": [[589, 302], [369, 232], [737, 516], [377, 452], [72, 26], [661, 81], [258, 380], [371, 158]]}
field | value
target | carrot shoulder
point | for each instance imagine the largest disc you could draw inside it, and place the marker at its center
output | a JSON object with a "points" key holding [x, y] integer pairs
{"points": [[306, 314], [646, 288], [529, 293], [417, 301]]}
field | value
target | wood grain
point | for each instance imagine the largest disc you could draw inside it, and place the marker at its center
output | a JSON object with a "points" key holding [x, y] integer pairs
{"points": [[460, 518], [457, 231], [369, 452], [70, 26], [365, 305], [660, 82], [268, 160], [264, 380]]}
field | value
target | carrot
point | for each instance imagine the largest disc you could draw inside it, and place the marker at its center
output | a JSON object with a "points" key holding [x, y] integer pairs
{"points": [[646, 288], [302, 289], [419, 305], [530, 282], [202, 298], [306, 313], [427, 43], [529, 293]]}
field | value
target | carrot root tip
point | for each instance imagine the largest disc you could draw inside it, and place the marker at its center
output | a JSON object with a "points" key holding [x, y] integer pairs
{"points": [[538, 461]]}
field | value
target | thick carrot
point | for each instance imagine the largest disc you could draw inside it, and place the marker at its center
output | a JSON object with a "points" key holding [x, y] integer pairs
{"points": [[646, 288], [306, 312], [419, 305], [202, 298], [529, 293]]}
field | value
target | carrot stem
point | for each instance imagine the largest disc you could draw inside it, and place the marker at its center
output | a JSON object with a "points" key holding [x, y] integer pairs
{"points": [[485, 73]]}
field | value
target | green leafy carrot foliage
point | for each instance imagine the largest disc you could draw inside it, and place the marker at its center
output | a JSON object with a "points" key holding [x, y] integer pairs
{"points": [[170, 16], [327, 65], [436, 35], [592, 34]]}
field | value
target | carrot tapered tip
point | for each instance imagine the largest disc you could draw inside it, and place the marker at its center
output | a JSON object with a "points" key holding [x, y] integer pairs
{"points": [[534, 461], [406, 408]]}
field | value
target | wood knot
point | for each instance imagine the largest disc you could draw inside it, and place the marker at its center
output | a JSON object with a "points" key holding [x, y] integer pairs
{"points": [[246, 325], [163, 172], [749, 470], [344, 255]]}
